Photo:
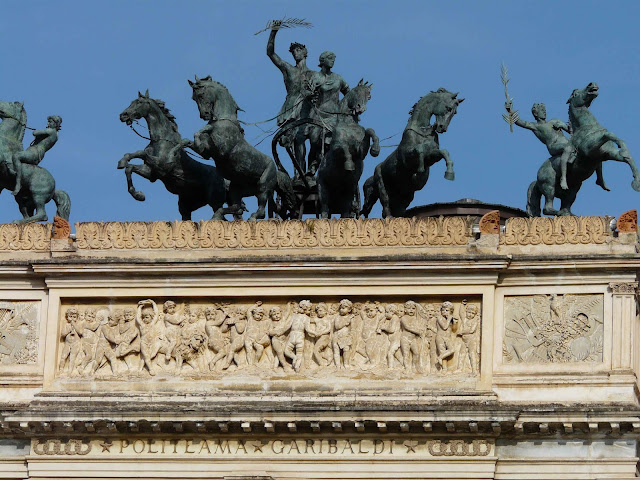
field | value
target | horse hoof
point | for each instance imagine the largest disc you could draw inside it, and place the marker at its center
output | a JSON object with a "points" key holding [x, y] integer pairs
{"points": [[449, 176], [138, 196], [636, 185]]}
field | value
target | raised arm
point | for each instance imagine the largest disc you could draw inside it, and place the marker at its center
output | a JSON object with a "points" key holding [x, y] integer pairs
{"points": [[521, 123], [271, 51]]}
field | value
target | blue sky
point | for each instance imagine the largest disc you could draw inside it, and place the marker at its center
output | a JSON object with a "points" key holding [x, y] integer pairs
{"points": [[86, 61]]}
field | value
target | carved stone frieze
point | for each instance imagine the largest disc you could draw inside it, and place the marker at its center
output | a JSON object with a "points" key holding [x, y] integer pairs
{"points": [[19, 325], [624, 288], [347, 338], [553, 328], [556, 231], [30, 236], [450, 231]]}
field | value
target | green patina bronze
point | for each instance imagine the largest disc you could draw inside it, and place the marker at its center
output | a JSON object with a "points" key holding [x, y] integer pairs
{"points": [[249, 171], [32, 185], [406, 170], [196, 184], [575, 159]]}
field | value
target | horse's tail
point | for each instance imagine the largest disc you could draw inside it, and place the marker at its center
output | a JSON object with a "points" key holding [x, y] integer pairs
{"points": [[63, 202], [534, 196], [370, 196]]}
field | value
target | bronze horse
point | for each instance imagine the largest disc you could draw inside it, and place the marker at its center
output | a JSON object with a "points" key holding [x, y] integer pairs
{"points": [[406, 170], [593, 143], [249, 171], [195, 183]]}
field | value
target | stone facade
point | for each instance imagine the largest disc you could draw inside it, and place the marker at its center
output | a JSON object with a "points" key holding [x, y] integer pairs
{"points": [[343, 349]]}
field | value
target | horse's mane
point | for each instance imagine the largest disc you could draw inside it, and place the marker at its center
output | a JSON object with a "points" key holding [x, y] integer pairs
{"points": [[167, 113], [424, 99], [208, 81], [23, 122]]}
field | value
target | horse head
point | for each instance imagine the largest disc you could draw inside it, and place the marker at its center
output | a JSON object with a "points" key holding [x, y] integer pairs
{"points": [[442, 104], [142, 106], [354, 103], [138, 109], [213, 99], [14, 120], [582, 97], [579, 103]]}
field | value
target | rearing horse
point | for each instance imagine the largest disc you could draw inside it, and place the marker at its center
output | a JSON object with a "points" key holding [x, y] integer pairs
{"points": [[341, 167], [196, 184], [38, 186], [249, 171], [593, 143], [406, 170]]}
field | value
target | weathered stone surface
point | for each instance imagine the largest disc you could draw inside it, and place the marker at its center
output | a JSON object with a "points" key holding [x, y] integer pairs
{"points": [[538, 335]]}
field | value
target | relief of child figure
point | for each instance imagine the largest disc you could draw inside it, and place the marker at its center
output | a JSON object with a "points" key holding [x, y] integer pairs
{"points": [[279, 333], [108, 339], [469, 326], [391, 326], [372, 315], [256, 338], [89, 337], [218, 341], [236, 325], [129, 345], [322, 353], [72, 334], [342, 339], [300, 325], [152, 338], [172, 323], [43, 141]]}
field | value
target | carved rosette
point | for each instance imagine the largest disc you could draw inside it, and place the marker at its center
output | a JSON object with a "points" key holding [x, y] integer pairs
{"points": [[556, 231], [409, 232], [322, 339]]}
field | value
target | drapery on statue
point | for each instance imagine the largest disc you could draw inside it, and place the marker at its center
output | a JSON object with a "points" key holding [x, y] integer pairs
{"points": [[341, 166], [32, 185], [406, 170], [593, 145], [249, 171], [196, 184]]}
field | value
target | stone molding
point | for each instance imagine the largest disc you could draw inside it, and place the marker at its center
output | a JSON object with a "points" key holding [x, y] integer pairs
{"points": [[623, 288], [276, 234], [556, 231], [31, 237], [343, 233]]}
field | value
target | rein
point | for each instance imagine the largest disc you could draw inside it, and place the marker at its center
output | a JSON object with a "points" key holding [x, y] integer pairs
{"points": [[163, 140], [20, 123]]}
